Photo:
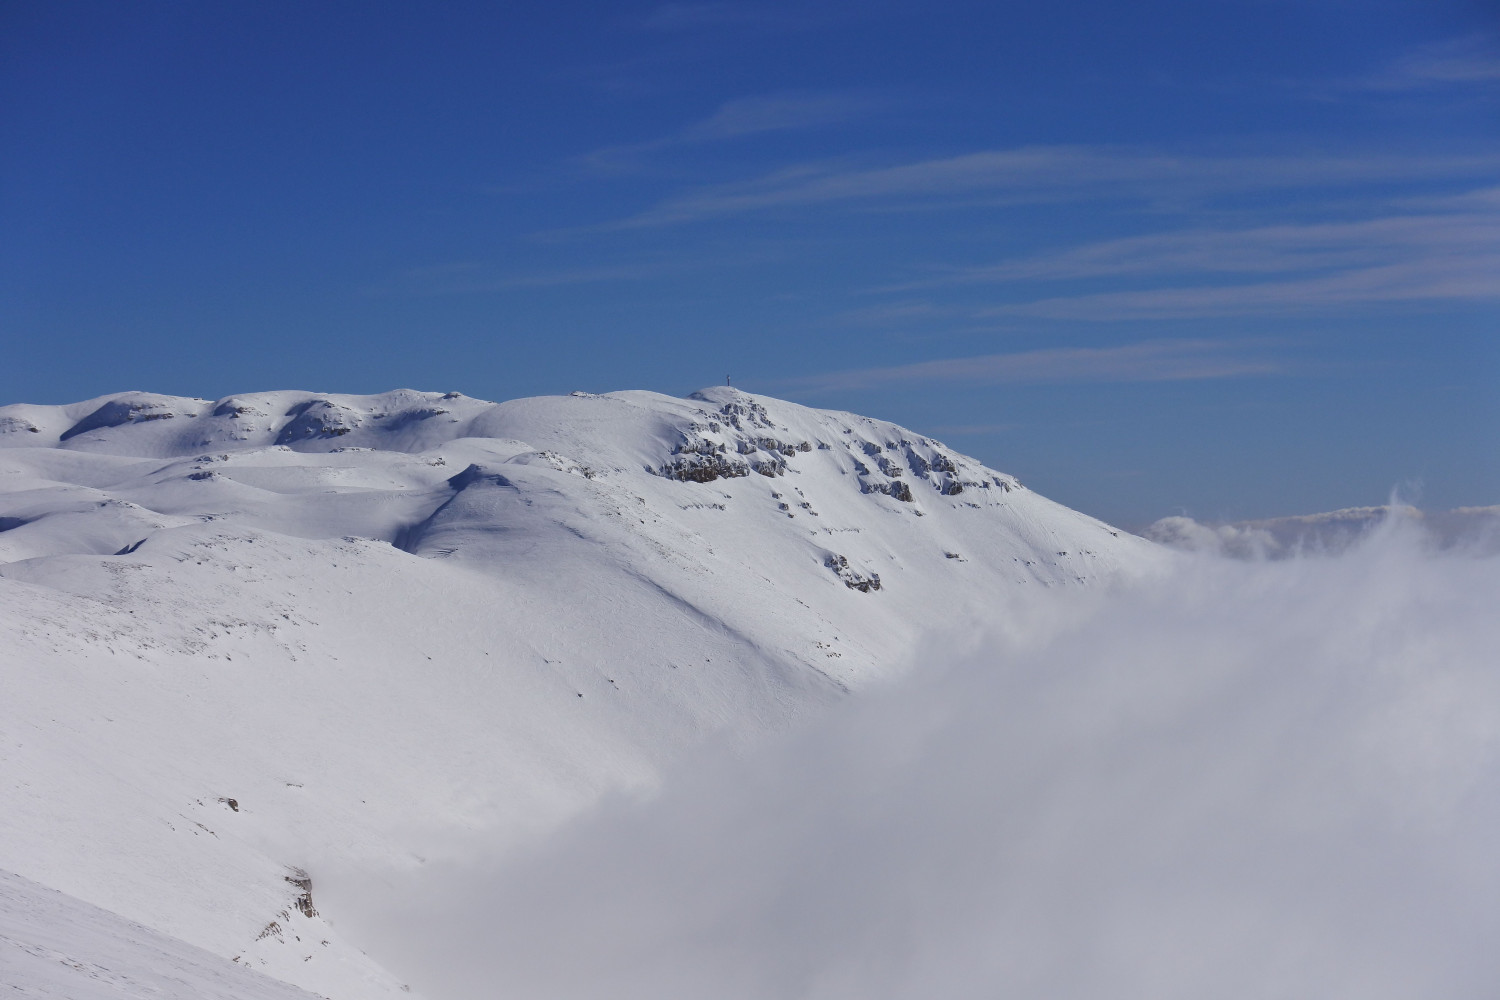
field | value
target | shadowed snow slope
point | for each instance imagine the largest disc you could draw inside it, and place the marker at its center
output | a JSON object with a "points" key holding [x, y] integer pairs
{"points": [[246, 642]]}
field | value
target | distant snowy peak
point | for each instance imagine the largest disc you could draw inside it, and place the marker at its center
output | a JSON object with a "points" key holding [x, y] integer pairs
{"points": [[719, 433], [146, 424]]}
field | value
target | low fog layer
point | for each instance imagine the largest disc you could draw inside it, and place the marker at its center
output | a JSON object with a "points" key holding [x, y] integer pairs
{"points": [[1237, 780], [1474, 528]]}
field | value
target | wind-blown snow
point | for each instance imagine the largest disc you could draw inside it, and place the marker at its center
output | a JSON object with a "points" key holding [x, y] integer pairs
{"points": [[251, 643]]}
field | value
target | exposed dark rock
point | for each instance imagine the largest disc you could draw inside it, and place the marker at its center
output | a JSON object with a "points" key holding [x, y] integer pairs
{"points": [[703, 468], [697, 446], [303, 902], [769, 466], [742, 412], [896, 489], [853, 579]]}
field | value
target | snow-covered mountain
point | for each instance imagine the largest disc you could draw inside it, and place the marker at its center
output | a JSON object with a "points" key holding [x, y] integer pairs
{"points": [[251, 643]]}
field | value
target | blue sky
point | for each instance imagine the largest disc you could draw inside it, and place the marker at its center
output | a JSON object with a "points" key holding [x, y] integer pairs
{"points": [[1230, 257]]}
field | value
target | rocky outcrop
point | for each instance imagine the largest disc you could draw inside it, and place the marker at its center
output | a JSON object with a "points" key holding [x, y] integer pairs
{"points": [[896, 489], [708, 449], [853, 578], [695, 468]]}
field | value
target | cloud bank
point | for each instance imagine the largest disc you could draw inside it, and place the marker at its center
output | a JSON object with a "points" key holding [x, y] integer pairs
{"points": [[1234, 780]]}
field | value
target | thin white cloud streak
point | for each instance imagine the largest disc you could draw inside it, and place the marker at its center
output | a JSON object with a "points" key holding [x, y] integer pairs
{"points": [[1471, 277], [1266, 249], [1146, 361], [738, 119], [1473, 59], [1235, 780], [1050, 173], [779, 112], [1449, 255]]}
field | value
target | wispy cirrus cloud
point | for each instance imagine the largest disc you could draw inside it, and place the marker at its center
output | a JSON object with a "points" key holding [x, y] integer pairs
{"points": [[1469, 60], [1473, 277], [1040, 174], [1145, 361], [741, 118], [1283, 269], [1283, 248], [778, 112]]}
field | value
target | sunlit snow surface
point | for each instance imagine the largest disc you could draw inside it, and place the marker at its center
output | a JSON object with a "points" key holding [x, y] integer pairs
{"points": [[597, 696]]}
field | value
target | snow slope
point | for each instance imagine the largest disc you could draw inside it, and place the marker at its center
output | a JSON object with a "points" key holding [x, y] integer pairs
{"points": [[251, 643], [52, 945]]}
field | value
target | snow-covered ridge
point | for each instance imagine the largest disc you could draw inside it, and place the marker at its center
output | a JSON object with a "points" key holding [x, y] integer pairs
{"points": [[381, 625], [716, 433], [431, 445]]}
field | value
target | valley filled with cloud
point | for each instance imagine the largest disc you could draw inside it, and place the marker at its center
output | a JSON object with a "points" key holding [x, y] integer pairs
{"points": [[1243, 779]]}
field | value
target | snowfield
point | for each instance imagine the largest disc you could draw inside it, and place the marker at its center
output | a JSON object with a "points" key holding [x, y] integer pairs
{"points": [[251, 644]]}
